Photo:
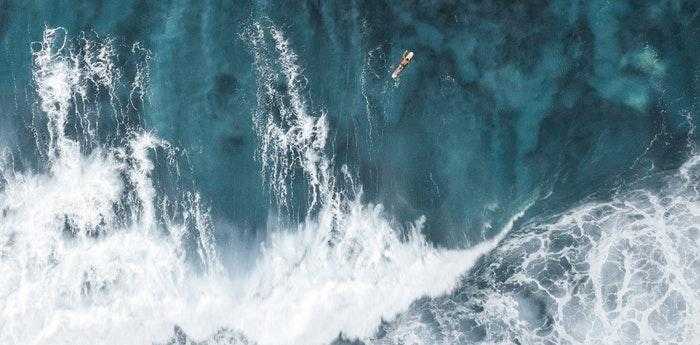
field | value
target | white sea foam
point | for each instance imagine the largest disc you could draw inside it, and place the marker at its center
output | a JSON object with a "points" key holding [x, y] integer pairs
{"points": [[83, 255], [346, 267], [92, 252], [619, 272]]}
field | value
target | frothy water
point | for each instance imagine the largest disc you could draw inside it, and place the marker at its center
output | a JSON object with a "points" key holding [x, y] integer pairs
{"points": [[90, 252], [93, 249], [346, 266], [97, 248], [617, 272]]}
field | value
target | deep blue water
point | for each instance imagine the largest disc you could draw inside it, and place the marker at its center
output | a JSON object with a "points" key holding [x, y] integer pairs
{"points": [[507, 106]]}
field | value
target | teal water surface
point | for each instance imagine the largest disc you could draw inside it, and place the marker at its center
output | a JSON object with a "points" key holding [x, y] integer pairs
{"points": [[507, 106]]}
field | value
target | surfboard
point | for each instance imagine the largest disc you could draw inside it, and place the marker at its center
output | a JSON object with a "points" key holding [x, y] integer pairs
{"points": [[406, 59]]}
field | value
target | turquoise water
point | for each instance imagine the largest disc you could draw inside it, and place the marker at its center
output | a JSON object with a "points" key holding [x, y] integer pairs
{"points": [[510, 112]]}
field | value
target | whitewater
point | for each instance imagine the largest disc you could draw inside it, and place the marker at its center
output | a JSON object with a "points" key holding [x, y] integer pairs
{"points": [[98, 247]]}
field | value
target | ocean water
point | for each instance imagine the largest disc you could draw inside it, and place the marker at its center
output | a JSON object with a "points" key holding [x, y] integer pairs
{"points": [[238, 172]]}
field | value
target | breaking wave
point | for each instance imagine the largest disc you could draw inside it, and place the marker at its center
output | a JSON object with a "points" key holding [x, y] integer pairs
{"points": [[95, 247]]}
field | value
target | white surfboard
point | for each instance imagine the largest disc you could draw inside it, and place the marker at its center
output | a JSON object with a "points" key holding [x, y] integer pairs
{"points": [[406, 59]]}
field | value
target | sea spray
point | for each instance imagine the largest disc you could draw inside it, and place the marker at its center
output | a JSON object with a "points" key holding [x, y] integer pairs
{"points": [[86, 255], [95, 251], [346, 258]]}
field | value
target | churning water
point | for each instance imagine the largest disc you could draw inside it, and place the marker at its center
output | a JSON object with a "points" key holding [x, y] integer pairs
{"points": [[105, 237]]}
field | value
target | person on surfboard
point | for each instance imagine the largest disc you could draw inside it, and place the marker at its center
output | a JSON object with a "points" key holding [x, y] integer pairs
{"points": [[406, 59]]}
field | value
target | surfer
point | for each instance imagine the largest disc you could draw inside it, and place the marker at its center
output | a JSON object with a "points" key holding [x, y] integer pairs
{"points": [[405, 60]]}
